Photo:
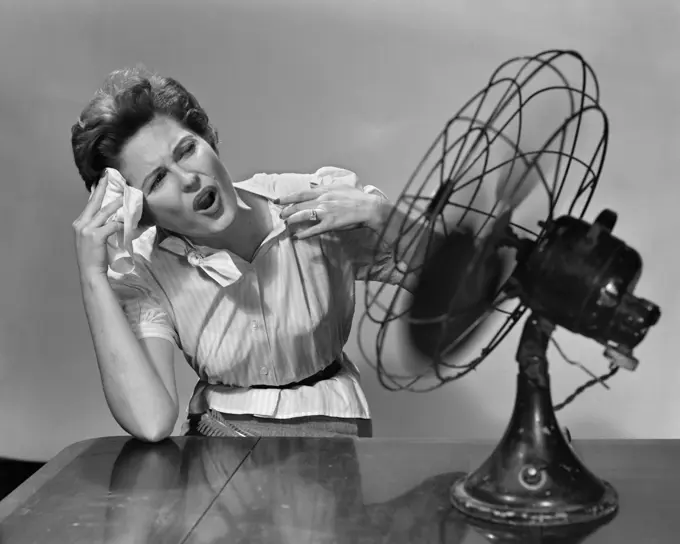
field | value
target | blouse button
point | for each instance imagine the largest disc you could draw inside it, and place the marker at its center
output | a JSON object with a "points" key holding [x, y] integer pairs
{"points": [[194, 258], [264, 371], [254, 325]]}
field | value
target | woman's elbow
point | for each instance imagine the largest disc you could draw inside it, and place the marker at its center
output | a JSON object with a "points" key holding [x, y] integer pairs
{"points": [[153, 429], [153, 434]]}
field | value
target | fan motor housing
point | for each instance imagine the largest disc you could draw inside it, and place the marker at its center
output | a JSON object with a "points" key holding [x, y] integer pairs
{"points": [[581, 277]]}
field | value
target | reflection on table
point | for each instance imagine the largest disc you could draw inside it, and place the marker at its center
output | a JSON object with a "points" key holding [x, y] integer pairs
{"points": [[299, 490]]}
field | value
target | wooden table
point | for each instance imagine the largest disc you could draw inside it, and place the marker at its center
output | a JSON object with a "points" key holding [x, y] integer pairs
{"points": [[300, 490]]}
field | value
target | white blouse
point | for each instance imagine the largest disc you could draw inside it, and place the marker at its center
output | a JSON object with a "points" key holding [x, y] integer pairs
{"points": [[273, 321]]}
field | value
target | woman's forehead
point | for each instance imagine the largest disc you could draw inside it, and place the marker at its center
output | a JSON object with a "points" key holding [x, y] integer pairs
{"points": [[150, 147]]}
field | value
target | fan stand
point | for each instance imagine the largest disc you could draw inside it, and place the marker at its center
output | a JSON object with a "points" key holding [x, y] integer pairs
{"points": [[533, 477]]}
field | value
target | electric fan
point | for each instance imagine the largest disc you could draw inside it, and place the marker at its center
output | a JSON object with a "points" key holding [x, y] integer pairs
{"points": [[525, 155]]}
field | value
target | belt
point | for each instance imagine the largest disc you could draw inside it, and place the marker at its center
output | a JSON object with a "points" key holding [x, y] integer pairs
{"points": [[327, 373]]}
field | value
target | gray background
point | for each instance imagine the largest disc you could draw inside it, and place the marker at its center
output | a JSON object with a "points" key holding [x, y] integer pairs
{"points": [[295, 85]]}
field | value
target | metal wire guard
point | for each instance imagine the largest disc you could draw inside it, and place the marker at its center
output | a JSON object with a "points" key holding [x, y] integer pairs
{"points": [[470, 148]]}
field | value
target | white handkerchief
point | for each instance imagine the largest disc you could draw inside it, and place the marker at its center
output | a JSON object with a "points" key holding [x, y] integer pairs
{"points": [[119, 246]]}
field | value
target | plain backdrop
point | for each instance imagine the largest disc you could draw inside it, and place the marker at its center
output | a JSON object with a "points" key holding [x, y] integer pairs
{"points": [[293, 85]]}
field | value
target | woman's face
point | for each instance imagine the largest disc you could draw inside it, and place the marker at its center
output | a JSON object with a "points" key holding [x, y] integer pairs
{"points": [[186, 187]]}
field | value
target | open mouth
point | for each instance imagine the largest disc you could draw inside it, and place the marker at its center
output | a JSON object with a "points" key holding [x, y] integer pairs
{"points": [[205, 199]]}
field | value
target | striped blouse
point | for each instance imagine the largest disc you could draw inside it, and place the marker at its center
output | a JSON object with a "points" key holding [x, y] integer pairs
{"points": [[273, 321]]}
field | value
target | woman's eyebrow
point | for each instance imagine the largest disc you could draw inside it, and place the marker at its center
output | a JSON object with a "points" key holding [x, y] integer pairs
{"points": [[176, 153]]}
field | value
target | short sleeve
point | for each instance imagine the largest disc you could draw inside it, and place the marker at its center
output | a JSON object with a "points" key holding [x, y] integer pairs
{"points": [[372, 258], [331, 175], [143, 310]]}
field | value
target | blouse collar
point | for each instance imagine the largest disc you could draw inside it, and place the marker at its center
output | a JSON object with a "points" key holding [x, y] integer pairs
{"points": [[223, 266]]}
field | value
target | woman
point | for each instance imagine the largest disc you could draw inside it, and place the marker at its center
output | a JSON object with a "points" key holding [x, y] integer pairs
{"points": [[253, 281]]}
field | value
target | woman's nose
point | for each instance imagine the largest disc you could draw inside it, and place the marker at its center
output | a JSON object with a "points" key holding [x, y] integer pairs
{"points": [[190, 181]]}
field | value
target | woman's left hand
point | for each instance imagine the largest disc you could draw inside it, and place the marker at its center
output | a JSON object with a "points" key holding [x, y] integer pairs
{"points": [[330, 208]]}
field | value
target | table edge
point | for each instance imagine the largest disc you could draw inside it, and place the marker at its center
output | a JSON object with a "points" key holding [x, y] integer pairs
{"points": [[43, 475]]}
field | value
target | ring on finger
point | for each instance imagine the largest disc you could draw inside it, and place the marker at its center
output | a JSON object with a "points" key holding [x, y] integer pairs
{"points": [[313, 215]]}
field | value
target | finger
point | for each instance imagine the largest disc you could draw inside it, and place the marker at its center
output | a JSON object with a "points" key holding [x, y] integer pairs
{"points": [[301, 196], [293, 209], [95, 202], [107, 211], [110, 228], [315, 230], [304, 216]]}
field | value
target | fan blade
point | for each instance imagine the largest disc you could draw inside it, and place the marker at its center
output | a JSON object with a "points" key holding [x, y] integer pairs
{"points": [[458, 285], [515, 183]]}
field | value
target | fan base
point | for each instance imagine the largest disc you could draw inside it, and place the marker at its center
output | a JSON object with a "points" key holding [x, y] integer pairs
{"points": [[524, 534], [534, 477], [468, 504]]}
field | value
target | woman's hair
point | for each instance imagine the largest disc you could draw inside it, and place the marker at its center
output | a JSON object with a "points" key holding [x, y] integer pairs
{"points": [[128, 100]]}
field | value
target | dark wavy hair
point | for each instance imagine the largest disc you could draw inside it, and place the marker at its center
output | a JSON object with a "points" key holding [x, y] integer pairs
{"points": [[128, 100]]}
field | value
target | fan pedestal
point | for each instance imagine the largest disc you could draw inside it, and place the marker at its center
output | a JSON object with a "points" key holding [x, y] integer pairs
{"points": [[533, 477], [517, 534]]}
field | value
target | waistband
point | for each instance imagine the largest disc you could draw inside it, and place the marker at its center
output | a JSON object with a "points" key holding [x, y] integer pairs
{"points": [[326, 374], [198, 403]]}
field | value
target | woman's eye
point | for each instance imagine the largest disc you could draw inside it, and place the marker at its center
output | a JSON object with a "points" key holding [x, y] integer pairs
{"points": [[158, 179], [189, 149]]}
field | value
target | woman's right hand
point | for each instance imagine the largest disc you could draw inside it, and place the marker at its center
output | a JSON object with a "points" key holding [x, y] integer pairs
{"points": [[91, 232]]}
